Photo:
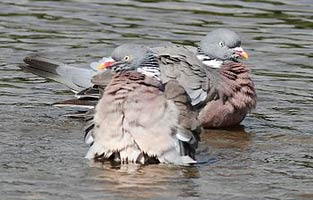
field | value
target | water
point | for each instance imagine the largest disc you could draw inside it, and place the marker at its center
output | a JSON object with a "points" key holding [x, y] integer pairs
{"points": [[270, 157]]}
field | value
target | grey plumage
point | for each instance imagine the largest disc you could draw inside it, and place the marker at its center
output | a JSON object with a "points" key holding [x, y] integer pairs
{"points": [[178, 63], [73, 77]]}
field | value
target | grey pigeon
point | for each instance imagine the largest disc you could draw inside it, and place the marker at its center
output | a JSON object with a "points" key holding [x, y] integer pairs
{"points": [[138, 119], [231, 94]]}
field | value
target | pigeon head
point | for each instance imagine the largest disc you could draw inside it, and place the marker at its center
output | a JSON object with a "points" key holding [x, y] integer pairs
{"points": [[132, 57], [128, 57], [221, 45]]}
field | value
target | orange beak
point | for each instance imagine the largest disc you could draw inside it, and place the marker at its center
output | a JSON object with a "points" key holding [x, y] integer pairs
{"points": [[241, 53], [105, 64], [244, 55]]}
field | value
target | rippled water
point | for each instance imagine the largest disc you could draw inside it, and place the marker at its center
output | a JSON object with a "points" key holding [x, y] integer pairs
{"points": [[270, 157]]}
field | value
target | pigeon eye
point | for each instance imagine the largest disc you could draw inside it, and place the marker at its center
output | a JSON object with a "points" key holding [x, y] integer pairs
{"points": [[126, 58], [221, 44]]}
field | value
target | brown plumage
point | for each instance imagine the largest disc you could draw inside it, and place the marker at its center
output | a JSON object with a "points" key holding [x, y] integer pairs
{"points": [[231, 96], [137, 120]]}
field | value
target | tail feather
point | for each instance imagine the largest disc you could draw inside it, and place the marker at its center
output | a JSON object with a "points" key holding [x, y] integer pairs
{"points": [[42, 63], [75, 78]]}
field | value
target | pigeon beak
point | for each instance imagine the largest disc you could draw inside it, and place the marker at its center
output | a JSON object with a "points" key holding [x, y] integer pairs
{"points": [[106, 64], [241, 53]]}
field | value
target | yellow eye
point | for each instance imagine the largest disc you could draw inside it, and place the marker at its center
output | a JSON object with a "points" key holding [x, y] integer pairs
{"points": [[126, 58]]}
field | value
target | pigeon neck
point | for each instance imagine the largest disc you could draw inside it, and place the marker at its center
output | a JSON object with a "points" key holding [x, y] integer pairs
{"points": [[150, 72], [209, 61], [150, 67]]}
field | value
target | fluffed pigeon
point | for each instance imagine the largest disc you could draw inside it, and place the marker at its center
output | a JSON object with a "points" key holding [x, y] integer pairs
{"points": [[138, 119]]}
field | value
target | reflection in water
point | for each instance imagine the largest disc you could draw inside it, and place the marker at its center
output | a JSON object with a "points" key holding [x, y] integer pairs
{"points": [[41, 153], [152, 181], [217, 145], [232, 138]]}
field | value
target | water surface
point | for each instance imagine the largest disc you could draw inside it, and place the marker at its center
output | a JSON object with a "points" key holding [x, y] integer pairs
{"points": [[269, 157]]}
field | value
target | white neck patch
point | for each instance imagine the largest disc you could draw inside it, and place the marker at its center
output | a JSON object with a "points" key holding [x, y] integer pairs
{"points": [[207, 61], [150, 71]]}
